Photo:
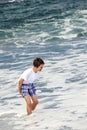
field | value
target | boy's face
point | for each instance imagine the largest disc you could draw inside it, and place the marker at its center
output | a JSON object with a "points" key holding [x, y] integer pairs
{"points": [[40, 67]]}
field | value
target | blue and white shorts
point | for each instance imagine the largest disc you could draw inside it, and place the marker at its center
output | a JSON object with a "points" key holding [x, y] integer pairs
{"points": [[28, 89]]}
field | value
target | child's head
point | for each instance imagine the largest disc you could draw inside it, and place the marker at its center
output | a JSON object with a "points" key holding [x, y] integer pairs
{"points": [[38, 63]]}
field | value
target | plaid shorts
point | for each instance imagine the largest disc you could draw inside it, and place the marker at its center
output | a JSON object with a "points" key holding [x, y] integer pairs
{"points": [[28, 89]]}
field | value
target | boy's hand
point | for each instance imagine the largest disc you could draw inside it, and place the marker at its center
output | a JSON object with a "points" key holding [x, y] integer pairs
{"points": [[20, 85]]}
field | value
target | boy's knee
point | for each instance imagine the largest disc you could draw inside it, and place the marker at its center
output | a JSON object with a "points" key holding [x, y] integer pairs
{"points": [[36, 102], [28, 104]]}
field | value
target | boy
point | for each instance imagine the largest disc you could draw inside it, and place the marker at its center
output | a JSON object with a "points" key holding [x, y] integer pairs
{"points": [[26, 87]]}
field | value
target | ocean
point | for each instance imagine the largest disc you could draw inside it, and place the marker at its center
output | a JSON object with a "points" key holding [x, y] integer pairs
{"points": [[56, 31]]}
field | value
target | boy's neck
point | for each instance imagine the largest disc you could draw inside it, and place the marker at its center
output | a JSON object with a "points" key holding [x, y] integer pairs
{"points": [[35, 69]]}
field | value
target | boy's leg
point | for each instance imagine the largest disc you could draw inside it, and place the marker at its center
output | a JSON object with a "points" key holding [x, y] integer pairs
{"points": [[29, 104], [35, 101]]}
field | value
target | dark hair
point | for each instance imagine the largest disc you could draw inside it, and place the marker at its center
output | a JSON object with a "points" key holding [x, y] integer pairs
{"points": [[37, 62]]}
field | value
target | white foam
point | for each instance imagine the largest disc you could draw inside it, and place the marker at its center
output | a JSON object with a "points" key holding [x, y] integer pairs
{"points": [[15, 0], [83, 12], [62, 94], [67, 36]]}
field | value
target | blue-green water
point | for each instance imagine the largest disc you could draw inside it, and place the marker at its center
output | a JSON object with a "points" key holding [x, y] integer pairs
{"points": [[55, 30]]}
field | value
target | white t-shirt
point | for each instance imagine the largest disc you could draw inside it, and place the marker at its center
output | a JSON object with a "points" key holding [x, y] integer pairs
{"points": [[29, 76]]}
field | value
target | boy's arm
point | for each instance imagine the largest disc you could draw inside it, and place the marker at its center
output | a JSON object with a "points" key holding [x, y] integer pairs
{"points": [[20, 82]]}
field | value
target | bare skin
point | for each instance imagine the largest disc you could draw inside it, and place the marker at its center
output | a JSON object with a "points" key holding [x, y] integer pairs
{"points": [[20, 85], [31, 105]]}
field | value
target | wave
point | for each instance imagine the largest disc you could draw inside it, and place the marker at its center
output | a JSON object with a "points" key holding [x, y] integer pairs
{"points": [[43, 20]]}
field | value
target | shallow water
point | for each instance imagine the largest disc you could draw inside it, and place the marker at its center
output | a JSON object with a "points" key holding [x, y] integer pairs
{"points": [[55, 31]]}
